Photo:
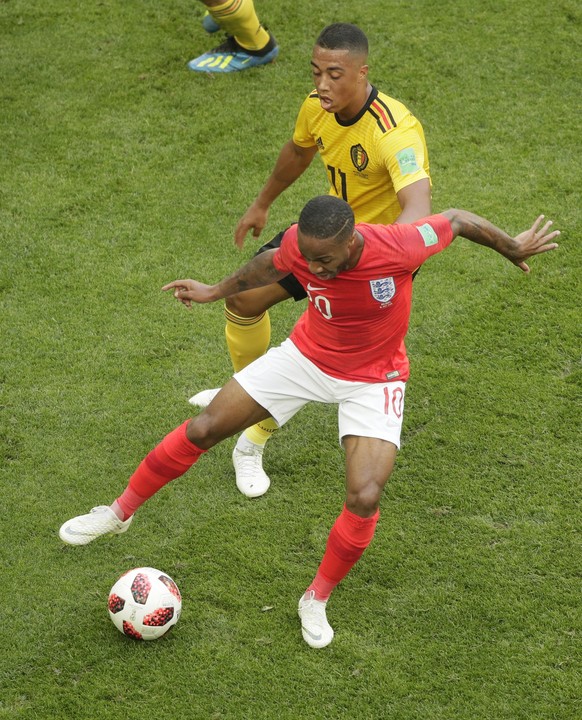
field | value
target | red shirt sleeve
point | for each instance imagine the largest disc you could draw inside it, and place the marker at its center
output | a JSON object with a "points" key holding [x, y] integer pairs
{"points": [[418, 241], [288, 252]]}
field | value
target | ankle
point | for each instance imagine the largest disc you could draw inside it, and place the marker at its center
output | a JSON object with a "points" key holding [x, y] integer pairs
{"points": [[245, 445], [116, 507], [321, 588]]}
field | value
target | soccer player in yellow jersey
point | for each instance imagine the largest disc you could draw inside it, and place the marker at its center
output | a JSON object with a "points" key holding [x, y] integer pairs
{"points": [[370, 158], [376, 159], [248, 43]]}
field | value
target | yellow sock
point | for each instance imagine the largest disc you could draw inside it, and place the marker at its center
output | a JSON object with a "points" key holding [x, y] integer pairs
{"points": [[238, 18], [261, 432], [247, 338]]}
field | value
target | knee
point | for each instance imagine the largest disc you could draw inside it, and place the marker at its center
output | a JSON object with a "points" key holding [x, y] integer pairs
{"points": [[364, 501], [201, 431], [243, 305]]}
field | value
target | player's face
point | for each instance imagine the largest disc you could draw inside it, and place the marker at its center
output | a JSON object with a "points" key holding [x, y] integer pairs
{"points": [[326, 258], [341, 80]]}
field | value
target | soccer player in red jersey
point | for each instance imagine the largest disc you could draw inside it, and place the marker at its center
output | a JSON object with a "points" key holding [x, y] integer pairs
{"points": [[346, 349]]}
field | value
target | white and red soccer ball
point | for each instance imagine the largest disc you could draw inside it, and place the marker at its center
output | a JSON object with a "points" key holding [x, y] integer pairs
{"points": [[145, 603]]}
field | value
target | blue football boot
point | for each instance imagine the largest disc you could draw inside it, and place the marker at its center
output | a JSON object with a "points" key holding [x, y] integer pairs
{"points": [[229, 56]]}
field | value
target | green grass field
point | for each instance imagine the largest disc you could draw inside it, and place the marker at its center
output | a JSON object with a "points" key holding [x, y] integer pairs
{"points": [[121, 171]]}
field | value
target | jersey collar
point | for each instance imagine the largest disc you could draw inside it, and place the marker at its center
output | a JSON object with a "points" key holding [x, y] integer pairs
{"points": [[347, 123]]}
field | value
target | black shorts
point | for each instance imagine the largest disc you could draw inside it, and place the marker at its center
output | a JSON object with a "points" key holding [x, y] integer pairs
{"points": [[289, 282]]}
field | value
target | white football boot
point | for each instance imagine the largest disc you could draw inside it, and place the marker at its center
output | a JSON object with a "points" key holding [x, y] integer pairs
{"points": [[317, 632], [204, 397], [83, 529], [251, 479]]}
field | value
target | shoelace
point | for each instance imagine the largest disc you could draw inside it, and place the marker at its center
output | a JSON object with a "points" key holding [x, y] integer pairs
{"points": [[250, 461], [311, 604]]}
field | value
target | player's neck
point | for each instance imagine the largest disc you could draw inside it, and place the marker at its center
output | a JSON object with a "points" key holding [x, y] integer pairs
{"points": [[356, 105], [356, 251]]}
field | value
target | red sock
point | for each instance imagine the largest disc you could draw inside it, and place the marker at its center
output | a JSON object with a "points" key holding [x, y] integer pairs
{"points": [[349, 537], [170, 459]]}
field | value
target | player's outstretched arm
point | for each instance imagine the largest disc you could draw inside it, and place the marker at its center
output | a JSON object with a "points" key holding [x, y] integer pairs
{"points": [[293, 160], [257, 272], [518, 249], [415, 202]]}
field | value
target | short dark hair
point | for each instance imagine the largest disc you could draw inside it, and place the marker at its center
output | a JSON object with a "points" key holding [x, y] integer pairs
{"points": [[325, 217], [343, 36]]}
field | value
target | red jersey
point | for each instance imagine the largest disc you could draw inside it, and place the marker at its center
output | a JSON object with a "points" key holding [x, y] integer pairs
{"points": [[355, 324]]}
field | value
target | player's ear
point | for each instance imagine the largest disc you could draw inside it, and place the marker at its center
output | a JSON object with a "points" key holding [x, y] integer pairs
{"points": [[363, 77]]}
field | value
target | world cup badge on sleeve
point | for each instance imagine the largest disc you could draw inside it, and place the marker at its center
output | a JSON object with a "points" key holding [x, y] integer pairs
{"points": [[383, 289]]}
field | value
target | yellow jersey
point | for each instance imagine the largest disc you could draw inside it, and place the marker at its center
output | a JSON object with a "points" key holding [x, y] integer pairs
{"points": [[368, 158]]}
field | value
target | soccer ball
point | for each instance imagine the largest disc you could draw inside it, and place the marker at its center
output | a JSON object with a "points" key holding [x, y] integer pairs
{"points": [[144, 603]]}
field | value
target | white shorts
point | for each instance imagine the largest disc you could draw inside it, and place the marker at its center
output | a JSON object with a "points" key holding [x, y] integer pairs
{"points": [[284, 380]]}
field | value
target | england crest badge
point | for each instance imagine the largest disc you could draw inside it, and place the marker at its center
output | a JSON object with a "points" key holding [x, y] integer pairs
{"points": [[383, 289]]}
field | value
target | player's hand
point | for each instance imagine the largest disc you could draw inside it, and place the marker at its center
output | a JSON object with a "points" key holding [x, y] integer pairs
{"points": [[532, 242], [254, 219], [189, 291]]}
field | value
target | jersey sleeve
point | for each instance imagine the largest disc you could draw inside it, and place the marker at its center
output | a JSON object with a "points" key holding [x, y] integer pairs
{"points": [[285, 257], [302, 135], [425, 237], [405, 155]]}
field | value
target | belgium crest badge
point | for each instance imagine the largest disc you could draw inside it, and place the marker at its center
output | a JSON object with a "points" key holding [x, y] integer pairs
{"points": [[359, 157]]}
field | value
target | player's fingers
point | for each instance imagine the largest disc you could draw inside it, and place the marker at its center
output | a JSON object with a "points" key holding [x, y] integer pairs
{"points": [[239, 234], [545, 229], [546, 236], [175, 283], [182, 296], [182, 292], [535, 226], [542, 242], [548, 246]]}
